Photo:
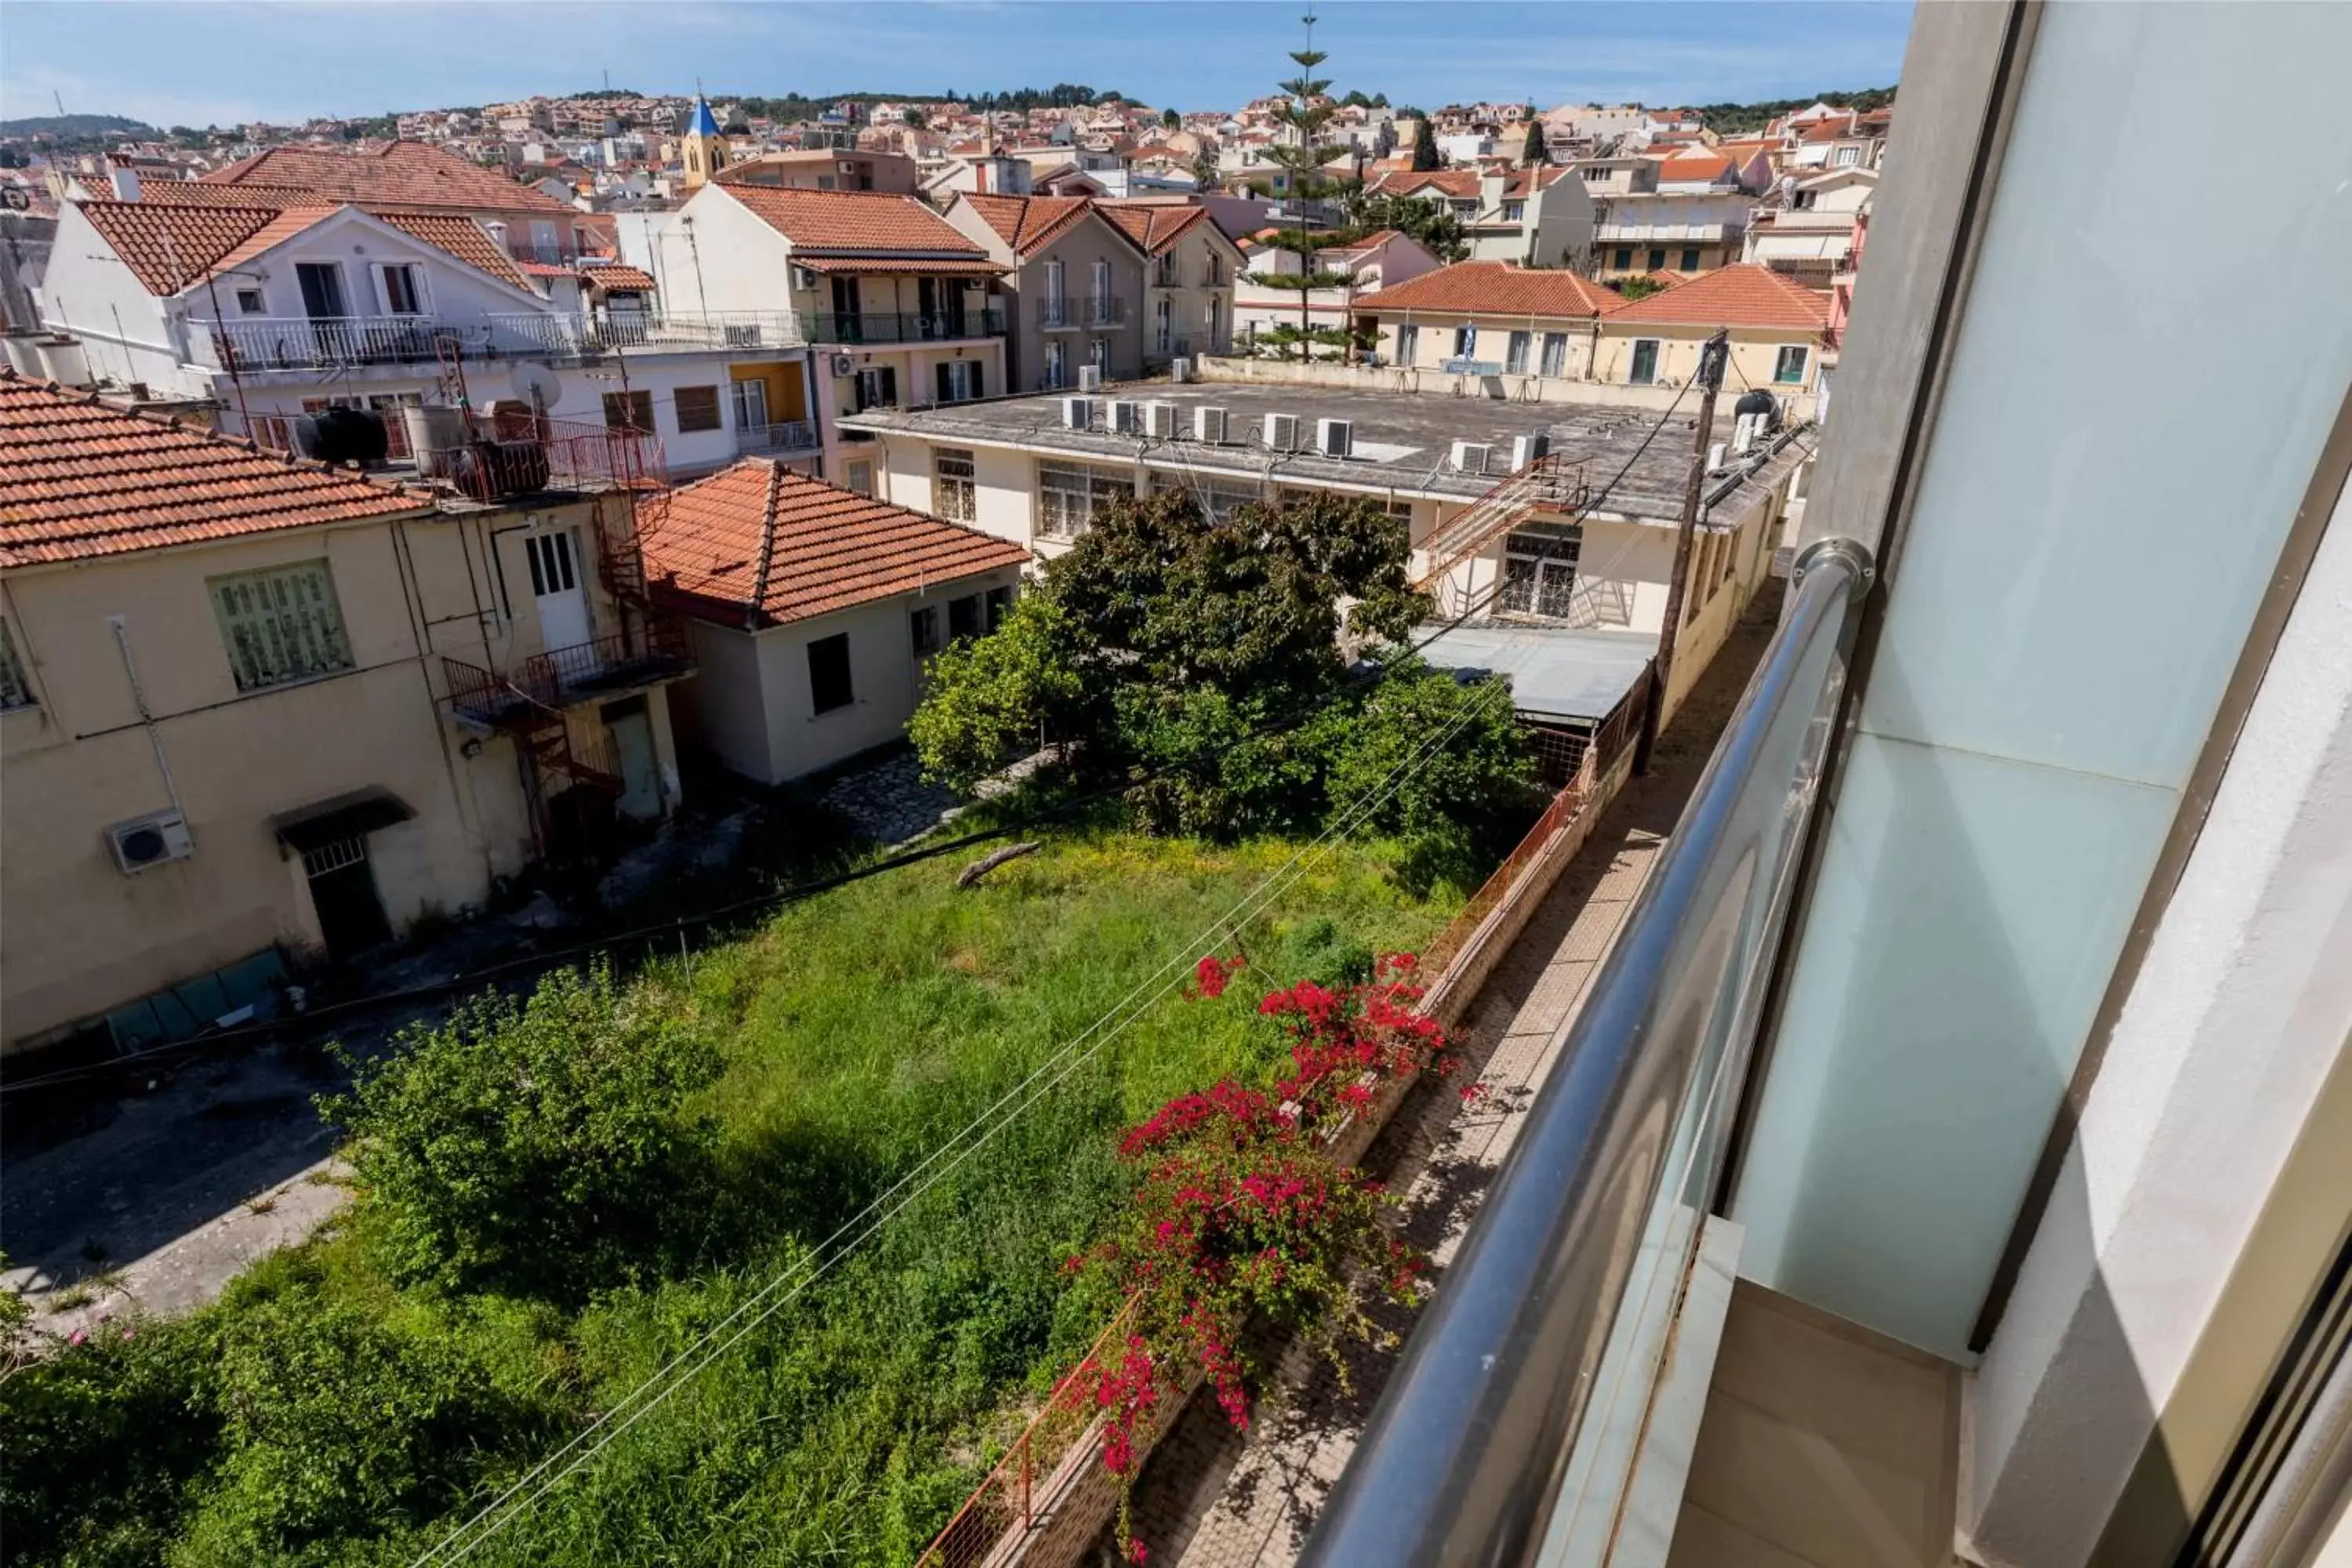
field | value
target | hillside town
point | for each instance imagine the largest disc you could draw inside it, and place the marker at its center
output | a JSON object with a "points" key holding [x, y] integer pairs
{"points": [[1028, 828]]}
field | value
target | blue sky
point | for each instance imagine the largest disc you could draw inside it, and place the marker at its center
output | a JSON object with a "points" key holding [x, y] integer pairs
{"points": [[196, 62]]}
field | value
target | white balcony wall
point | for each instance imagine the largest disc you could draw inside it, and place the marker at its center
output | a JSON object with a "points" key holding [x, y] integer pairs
{"points": [[2100, 510]]}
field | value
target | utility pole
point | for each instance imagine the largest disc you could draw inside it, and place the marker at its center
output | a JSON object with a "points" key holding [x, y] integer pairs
{"points": [[1712, 356]]}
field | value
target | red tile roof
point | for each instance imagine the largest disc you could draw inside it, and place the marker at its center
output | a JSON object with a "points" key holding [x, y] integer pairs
{"points": [[1462, 184], [462, 237], [847, 222], [1493, 288], [1689, 167], [79, 479], [616, 275], [408, 173], [1028, 223], [1154, 225], [1742, 295], [769, 544], [169, 247]]}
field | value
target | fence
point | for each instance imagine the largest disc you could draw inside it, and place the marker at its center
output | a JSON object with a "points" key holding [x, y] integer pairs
{"points": [[1028, 1509]]}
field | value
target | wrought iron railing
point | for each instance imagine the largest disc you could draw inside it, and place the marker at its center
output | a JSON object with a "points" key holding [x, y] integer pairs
{"points": [[555, 253], [903, 326], [1055, 311], [657, 650], [659, 330], [1105, 310], [302, 342], [514, 452], [785, 436]]}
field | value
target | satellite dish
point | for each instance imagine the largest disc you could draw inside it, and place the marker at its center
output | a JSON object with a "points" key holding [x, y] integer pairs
{"points": [[536, 384]]}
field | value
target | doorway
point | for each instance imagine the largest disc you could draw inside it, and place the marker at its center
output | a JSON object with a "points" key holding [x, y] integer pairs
{"points": [[343, 896], [323, 303], [562, 602], [632, 729]]}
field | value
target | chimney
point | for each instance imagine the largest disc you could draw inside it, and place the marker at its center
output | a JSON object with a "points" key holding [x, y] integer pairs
{"points": [[1492, 183], [125, 178]]}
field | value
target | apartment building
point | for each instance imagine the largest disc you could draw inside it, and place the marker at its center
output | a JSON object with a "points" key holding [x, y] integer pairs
{"points": [[898, 307], [256, 710], [1378, 260], [1538, 217], [1193, 275], [813, 608], [1490, 318], [1779, 331], [1693, 218], [1073, 286], [1806, 227]]}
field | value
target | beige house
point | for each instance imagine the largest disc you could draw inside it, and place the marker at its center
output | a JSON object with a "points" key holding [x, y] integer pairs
{"points": [[1188, 290], [1378, 260], [1779, 331], [825, 169], [813, 608], [1074, 293], [256, 709], [1489, 317]]}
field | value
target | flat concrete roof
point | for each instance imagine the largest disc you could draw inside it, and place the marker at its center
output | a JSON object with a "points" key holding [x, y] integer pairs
{"points": [[1555, 672], [1402, 440]]}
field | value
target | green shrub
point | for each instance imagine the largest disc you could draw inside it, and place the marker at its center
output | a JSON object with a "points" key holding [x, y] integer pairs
{"points": [[542, 1146]]}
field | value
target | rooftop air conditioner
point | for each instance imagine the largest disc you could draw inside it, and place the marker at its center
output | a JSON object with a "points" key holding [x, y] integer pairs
{"points": [[1127, 417], [1180, 369], [1090, 378], [1159, 421], [1526, 449], [1281, 432], [150, 840], [1470, 457], [1078, 413], [1208, 425], [1335, 437]]}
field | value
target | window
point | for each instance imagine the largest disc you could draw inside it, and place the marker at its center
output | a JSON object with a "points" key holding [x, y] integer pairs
{"points": [[1539, 571], [878, 387], [16, 691], [954, 495], [829, 673], [404, 290], [1845, 157], [1690, 258], [1788, 365], [1408, 347], [629, 411], [751, 400], [964, 617], [698, 409], [1168, 275], [1098, 350], [280, 624], [1555, 354], [859, 476], [1465, 341], [1514, 212], [1222, 498], [924, 622], [1163, 324], [1056, 292], [1645, 369], [249, 301], [1515, 359], [1624, 262], [1212, 269], [1057, 363], [1657, 257], [1069, 495], [959, 381], [1000, 600]]}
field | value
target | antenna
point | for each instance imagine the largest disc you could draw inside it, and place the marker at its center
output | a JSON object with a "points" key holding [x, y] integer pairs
{"points": [[61, 101]]}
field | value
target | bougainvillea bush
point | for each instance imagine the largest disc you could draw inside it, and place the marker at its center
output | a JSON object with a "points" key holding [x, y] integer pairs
{"points": [[1243, 1212]]}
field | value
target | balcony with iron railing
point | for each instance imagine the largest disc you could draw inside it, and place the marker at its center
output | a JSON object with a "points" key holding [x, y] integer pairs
{"points": [[648, 332], [251, 345], [657, 652], [830, 327], [780, 437], [556, 252]]}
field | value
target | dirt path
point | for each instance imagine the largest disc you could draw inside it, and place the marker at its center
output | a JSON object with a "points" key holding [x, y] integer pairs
{"points": [[1211, 1497]]}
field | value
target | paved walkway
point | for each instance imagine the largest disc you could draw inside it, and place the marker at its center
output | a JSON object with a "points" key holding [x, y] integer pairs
{"points": [[1213, 1497]]}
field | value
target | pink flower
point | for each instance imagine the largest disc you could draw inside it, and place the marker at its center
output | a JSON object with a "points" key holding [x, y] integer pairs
{"points": [[78, 1336]]}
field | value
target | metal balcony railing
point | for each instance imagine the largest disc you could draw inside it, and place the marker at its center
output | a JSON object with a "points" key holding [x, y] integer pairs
{"points": [[658, 331], [1054, 312], [555, 253], [304, 343], [591, 672], [1505, 1423], [903, 326], [519, 453], [785, 436], [1104, 309]]}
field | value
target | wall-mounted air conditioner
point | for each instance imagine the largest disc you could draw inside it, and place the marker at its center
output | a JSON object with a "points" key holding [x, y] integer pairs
{"points": [[1470, 457], [1125, 416], [1208, 425], [150, 840], [1078, 413], [1159, 421], [803, 279], [1281, 432], [1090, 378], [1335, 437]]}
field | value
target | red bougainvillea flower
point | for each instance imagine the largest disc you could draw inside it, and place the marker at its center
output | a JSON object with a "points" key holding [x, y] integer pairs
{"points": [[1211, 976]]}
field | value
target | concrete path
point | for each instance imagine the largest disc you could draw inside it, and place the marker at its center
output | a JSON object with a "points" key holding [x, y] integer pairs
{"points": [[1211, 1497]]}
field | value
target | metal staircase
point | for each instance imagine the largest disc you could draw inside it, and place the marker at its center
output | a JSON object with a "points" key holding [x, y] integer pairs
{"points": [[1552, 486]]}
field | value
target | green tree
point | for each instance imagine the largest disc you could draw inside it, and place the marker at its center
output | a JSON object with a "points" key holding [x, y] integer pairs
{"points": [[540, 1145], [1306, 109], [1171, 121], [914, 120], [1637, 288], [990, 696], [1425, 146]]}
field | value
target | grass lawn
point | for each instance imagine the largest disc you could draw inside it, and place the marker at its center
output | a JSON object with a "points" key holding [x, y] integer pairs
{"points": [[859, 1030]]}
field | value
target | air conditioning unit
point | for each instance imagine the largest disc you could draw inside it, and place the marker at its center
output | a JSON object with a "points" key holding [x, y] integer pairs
{"points": [[1125, 416], [1090, 378], [844, 366], [1159, 421], [1281, 432], [1208, 425], [1078, 413], [1180, 369], [1526, 450], [150, 840], [1470, 457], [803, 279], [1335, 437]]}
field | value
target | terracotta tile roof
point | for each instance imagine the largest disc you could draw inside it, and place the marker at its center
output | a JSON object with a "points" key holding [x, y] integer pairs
{"points": [[1696, 167], [79, 479], [848, 222], [1742, 295], [464, 238], [615, 274], [1495, 287], [407, 173], [762, 541], [198, 193], [169, 247], [1028, 223], [1151, 225]]}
